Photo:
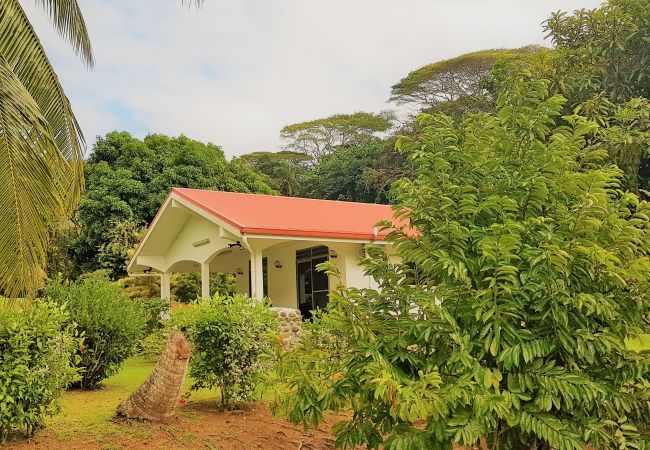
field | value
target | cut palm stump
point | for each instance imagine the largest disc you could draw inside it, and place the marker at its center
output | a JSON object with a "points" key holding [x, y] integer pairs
{"points": [[158, 397]]}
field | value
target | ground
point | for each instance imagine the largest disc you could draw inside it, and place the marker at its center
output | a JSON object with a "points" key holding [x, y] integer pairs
{"points": [[86, 421]]}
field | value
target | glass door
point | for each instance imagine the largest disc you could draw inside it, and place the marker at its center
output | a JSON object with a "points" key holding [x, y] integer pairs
{"points": [[313, 285]]}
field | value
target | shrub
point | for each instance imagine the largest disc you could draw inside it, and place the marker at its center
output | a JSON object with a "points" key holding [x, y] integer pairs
{"points": [[36, 364], [507, 316], [110, 324], [187, 286], [152, 346], [228, 335], [153, 310]]}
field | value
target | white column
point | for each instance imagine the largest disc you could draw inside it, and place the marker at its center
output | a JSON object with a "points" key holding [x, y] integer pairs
{"points": [[165, 286], [257, 276], [205, 280]]}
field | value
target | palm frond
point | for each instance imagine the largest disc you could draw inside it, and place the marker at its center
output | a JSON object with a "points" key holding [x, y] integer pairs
{"points": [[24, 54], [32, 188], [69, 22]]}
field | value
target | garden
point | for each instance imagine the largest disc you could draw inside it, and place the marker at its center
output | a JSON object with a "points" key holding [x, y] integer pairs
{"points": [[512, 312]]}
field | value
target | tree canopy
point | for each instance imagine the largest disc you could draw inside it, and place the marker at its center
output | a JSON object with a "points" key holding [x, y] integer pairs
{"points": [[127, 179], [321, 136], [450, 80]]}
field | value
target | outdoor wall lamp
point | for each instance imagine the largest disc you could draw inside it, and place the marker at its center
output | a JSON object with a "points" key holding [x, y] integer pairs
{"points": [[333, 254], [239, 271], [278, 265], [201, 242]]}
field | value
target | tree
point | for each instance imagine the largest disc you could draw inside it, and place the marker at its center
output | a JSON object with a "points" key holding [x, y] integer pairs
{"points": [[284, 170], [321, 136], [340, 175], [603, 50], [128, 179], [602, 66], [524, 268], [461, 83], [41, 147]]}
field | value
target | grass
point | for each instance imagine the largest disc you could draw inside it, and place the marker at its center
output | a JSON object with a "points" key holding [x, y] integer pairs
{"points": [[91, 412]]}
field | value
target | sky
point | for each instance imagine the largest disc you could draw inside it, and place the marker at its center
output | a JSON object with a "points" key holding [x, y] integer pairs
{"points": [[234, 72]]}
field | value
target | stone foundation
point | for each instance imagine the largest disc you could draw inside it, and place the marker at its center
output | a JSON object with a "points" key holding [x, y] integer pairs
{"points": [[290, 326]]}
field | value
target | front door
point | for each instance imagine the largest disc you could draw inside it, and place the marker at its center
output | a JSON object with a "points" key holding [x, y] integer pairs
{"points": [[313, 285]]}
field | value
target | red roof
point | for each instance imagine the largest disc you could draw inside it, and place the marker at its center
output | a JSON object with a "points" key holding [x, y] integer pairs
{"points": [[291, 216]]}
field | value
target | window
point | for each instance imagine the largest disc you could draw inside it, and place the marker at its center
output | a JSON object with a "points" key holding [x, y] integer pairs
{"points": [[313, 285]]}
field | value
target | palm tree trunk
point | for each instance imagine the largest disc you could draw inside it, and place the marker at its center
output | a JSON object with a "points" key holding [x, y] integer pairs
{"points": [[158, 397]]}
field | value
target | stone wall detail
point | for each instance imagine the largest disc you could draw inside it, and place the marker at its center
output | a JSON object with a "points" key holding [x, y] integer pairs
{"points": [[290, 326]]}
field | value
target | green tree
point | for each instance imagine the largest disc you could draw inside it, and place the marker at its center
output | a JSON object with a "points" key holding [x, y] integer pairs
{"points": [[601, 65], [340, 175], [128, 179], [284, 170], [41, 146], [321, 136], [458, 85], [524, 269]]}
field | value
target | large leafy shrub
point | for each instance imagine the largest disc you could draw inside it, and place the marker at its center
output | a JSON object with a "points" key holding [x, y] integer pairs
{"points": [[36, 364], [110, 324], [228, 335], [524, 269]]}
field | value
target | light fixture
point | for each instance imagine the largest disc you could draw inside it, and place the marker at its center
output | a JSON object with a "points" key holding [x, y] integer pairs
{"points": [[239, 271], [278, 265], [201, 242], [333, 254]]}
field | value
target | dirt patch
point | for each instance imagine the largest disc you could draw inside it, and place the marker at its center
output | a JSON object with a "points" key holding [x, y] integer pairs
{"points": [[199, 425]]}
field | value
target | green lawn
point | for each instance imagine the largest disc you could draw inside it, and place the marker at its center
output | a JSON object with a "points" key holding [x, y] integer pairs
{"points": [[91, 412]]}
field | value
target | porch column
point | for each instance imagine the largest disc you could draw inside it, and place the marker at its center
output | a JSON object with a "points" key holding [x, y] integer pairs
{"points": [[205, 280], [257, 276], [165, 286]]}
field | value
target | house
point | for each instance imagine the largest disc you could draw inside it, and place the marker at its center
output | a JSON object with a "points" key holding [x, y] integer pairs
{"points": [[272, 244]]}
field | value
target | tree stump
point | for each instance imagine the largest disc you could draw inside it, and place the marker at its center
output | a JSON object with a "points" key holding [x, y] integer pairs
{"points": [[158, 397]]}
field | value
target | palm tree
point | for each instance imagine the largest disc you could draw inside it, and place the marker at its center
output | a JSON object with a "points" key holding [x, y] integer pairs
{"points": [[41, 144]]}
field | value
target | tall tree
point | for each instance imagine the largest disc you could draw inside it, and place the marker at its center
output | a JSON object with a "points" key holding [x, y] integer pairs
{"points": [[41, 145], [284, 170], [524, 269], [321, 136], [128, 179], [458, 85]]}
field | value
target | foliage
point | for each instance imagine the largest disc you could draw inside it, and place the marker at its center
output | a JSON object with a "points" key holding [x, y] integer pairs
{"points": [[462, 81], [284, 170], [127, 181], [602, 66], [524, 270], [187, 286], [109, 322], [140, 286], [319, 137], [152, 346], [340, 175], [36, 364], [603, 50], [153, 309], [228, 335], [42, 145]]}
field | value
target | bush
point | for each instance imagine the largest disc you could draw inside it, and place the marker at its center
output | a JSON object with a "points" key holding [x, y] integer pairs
{"points": [[187, 286], [153, 309], [228, 334], [110, 324], [36, 364], [152, 346]]}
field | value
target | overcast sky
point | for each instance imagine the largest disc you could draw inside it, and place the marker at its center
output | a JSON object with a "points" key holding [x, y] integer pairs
{"points": [[235, 71]]}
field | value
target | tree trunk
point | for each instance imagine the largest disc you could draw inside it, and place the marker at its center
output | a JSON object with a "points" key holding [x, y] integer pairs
{"points": [[158, 397]]}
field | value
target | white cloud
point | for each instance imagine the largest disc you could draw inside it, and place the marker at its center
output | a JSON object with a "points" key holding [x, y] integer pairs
{"points": [[236, 71]]}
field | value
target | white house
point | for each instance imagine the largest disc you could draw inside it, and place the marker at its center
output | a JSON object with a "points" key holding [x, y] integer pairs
{"points": [[272, 244]]}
